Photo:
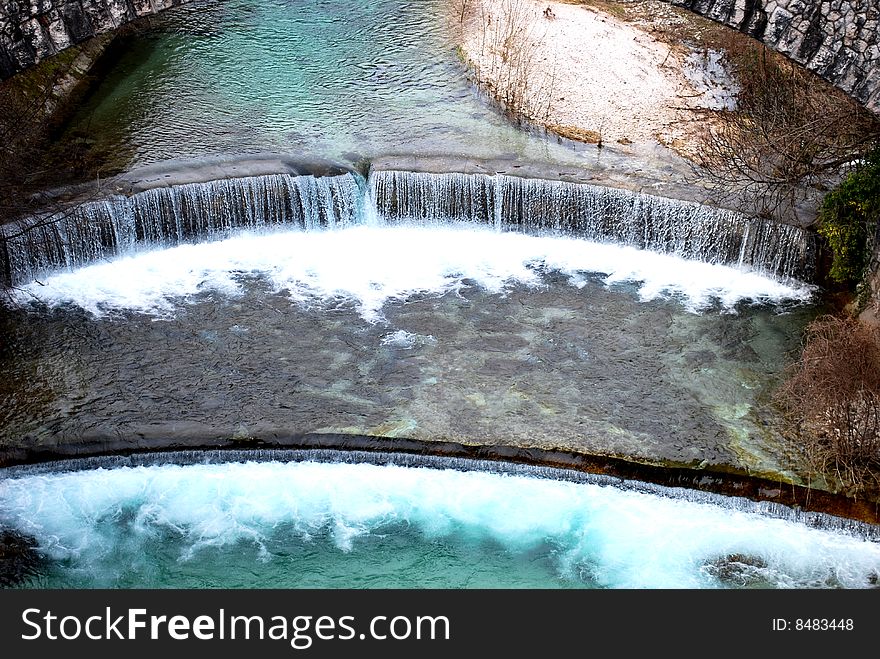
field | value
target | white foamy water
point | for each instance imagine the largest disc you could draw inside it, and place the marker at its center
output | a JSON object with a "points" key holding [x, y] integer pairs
{"points": [[611, 537], [372, 266], [403, 339]]}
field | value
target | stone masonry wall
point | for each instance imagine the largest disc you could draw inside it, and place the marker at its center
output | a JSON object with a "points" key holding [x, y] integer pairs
{"points": [[31, 30], [837, 39]]}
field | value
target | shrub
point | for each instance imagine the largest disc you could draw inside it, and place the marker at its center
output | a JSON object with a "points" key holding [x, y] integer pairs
{"points": [[787, 139], [832, 399], [848, 221]]}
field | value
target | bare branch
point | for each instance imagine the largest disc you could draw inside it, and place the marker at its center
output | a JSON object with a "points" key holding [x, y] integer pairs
{"points": [[789, 137], [831, 398]]}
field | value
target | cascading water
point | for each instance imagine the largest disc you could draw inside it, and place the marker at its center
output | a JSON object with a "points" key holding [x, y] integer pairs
{"points": [[331, 519], [457, 307], [167, 216], [598, 213], [163, 217]]}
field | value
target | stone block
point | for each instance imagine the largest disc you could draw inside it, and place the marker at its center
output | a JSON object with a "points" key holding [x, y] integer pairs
{"points": [[79, 26], [143, 7], [738, 16], [777, 25], [720, 12], [57, 31], [790, 43], [823, 61], [37, 38], [871, 86], [99, 14], [120, 12], [8, 62], [38, 7]]}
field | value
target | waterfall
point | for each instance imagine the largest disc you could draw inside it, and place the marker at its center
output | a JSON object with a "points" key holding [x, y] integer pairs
{"points": [[167, 216], [163, 217], [354, 456], [686, 229]]}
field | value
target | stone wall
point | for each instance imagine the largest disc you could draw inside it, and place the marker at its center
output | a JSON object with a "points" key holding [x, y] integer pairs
{"points": [[31, 30], [837, 39]]}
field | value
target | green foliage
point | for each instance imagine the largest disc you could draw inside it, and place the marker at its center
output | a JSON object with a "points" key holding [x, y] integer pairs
{"points": [[848, 220]]}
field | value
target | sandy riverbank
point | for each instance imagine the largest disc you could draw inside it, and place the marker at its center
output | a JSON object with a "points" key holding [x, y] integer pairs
{"points": [[587, 74]]}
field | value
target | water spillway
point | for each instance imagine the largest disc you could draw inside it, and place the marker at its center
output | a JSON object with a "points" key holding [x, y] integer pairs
{"points": [[166, 216], [345, 312], [361, 520], [195, 212], [598, 213], [481, 310]]}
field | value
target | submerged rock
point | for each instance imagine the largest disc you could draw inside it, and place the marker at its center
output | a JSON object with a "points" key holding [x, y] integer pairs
{"points": [[739, 571], [19, 558]]}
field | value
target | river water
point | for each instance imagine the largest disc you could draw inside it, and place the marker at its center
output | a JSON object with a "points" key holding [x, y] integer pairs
{"points": [[314, 524], [228, 79], [476, 310], [444, 331]]}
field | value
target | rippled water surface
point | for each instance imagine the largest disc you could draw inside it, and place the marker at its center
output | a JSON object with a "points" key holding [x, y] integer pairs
{"points": [[446, 332], [333, 79], [330, 79]]}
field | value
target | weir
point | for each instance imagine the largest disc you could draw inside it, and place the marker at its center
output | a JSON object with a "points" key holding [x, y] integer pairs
{"points": [[197, 212], [325, 520], [167, 216], [604, 214], [772, 509]]}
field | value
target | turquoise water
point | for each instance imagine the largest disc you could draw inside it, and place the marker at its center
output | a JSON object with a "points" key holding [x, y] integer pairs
{"points": [[332, 79], [335, 525]]}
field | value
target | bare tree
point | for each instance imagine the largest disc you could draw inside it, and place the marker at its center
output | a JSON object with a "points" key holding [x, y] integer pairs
{"points": [[461, 9], [789, 138], [506, 66]]}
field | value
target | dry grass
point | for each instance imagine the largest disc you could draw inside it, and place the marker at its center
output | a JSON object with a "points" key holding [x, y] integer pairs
{"points": [[576, 133], [668, 23], [506, 66], [831, 398], [620, 10]]}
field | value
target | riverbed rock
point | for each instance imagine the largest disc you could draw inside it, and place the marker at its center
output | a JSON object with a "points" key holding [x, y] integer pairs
{"points": [[19, 558], [739, 570]]}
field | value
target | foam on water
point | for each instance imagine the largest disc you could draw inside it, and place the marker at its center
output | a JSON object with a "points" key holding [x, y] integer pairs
{"points": [[600, 535], [404, 339], [372, 266]]}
